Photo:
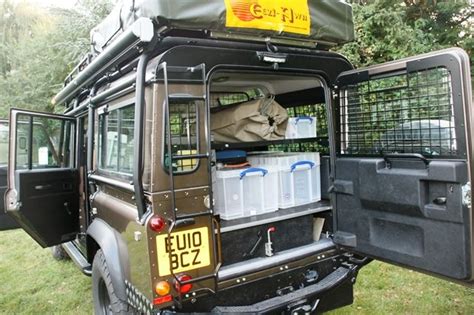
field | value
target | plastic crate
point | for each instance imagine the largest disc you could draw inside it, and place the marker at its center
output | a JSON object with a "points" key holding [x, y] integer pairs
{"points": [[246, 192], [299, 176], [301, 127]]}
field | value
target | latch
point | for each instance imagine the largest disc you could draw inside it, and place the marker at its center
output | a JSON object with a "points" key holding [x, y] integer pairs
{"points": [[345, 187], [269, 244], [11, 201], [272, 56]]}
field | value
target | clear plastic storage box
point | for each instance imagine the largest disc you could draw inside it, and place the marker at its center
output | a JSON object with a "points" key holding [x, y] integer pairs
{"points": [[246, 192], [301, 127], [299, 176]]}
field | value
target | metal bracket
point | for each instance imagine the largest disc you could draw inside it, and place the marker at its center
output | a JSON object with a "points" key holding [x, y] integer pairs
{"points": [[145, 216]]}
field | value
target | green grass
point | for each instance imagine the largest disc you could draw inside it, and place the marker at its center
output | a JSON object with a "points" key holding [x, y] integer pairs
{"points": [[385, 289], [32, 282]]}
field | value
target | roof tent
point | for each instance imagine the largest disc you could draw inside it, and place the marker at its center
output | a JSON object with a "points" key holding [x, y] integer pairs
{"points": [[294, 22]]}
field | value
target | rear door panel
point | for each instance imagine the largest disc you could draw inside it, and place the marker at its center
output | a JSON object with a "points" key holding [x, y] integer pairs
{"points": [[392, 214], [403, 164]]}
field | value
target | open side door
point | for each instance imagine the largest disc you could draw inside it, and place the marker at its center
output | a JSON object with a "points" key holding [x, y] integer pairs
{"points": [[42, 193], [403, 167]]}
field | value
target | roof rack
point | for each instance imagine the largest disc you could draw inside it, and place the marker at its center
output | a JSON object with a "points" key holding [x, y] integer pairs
{"points": [[141, 32]]}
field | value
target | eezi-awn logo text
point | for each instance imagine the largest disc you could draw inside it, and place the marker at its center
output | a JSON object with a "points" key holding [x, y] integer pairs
{"points": [[243, 9], [249, 10], [280, 16]]}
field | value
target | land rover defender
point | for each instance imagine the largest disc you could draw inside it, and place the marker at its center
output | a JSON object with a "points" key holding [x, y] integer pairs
{"points": [[218, 157]]}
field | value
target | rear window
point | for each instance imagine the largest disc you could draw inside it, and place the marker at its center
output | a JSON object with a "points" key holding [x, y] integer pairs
{"points": [[406, 113]]}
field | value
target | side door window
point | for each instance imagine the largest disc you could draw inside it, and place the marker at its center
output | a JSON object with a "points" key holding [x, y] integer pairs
{"points": [[43, 142], [42, 193]]}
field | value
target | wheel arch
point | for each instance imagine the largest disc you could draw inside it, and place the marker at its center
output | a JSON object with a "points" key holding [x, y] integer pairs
{"points": [[100, 235]]}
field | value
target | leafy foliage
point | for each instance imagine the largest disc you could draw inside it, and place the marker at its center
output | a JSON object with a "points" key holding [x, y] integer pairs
{"points": [[392, 29], [39, 47]]}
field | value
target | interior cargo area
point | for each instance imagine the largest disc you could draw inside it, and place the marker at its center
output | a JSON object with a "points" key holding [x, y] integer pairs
{"points": [[270, 172]]}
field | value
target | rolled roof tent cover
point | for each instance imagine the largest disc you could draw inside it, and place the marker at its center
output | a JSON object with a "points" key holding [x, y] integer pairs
{"points": [[328, 22]]}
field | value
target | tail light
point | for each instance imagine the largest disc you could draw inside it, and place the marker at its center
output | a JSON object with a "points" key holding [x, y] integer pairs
{"points": [[183, 288], [162, 288], [162, 299], [157, 223]]}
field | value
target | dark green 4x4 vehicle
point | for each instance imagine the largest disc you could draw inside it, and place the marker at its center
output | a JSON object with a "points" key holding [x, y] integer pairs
{"points": [[217, 157]]}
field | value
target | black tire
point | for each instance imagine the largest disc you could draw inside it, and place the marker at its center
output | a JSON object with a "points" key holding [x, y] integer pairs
{"points": [[103, 293], [59, 253]]}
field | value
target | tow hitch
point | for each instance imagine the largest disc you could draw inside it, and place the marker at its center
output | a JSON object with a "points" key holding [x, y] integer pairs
{"points": [[303, 307]]}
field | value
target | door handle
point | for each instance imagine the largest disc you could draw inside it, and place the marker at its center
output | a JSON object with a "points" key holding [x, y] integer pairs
{"points": [[43, 187], [440, 201], [388, 157]]}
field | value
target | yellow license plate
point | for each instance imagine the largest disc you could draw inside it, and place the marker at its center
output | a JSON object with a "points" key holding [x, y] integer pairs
{"points": [[189, 250]]}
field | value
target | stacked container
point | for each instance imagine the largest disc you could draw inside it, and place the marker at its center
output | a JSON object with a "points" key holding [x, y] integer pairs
{"points": [[246, 192], [301, 127], [299, 176]]}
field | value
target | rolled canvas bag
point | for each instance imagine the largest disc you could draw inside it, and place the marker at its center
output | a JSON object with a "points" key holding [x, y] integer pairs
{"points": [[256, 120]]}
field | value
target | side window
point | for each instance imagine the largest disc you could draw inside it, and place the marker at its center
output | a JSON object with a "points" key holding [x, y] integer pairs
{"points": [[43, 142], [404, 113], [116, 142], [184, 132]]}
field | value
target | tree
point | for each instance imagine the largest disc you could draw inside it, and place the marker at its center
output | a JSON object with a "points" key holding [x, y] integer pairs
{"points": [[450, 22], [39, 48], [17, 22], [393, 29]]}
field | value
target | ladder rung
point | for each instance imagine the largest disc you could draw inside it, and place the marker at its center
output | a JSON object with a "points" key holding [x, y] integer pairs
{"points": [[189, 157], [177, 98]]}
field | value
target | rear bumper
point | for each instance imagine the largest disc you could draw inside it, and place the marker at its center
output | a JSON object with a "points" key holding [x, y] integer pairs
{"points": [[280, 259], [308, 284], [313, 277], [305, 299]]}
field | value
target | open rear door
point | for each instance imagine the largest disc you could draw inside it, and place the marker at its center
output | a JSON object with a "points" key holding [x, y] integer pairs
{"points": [[403, 168], [42, 193]]}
